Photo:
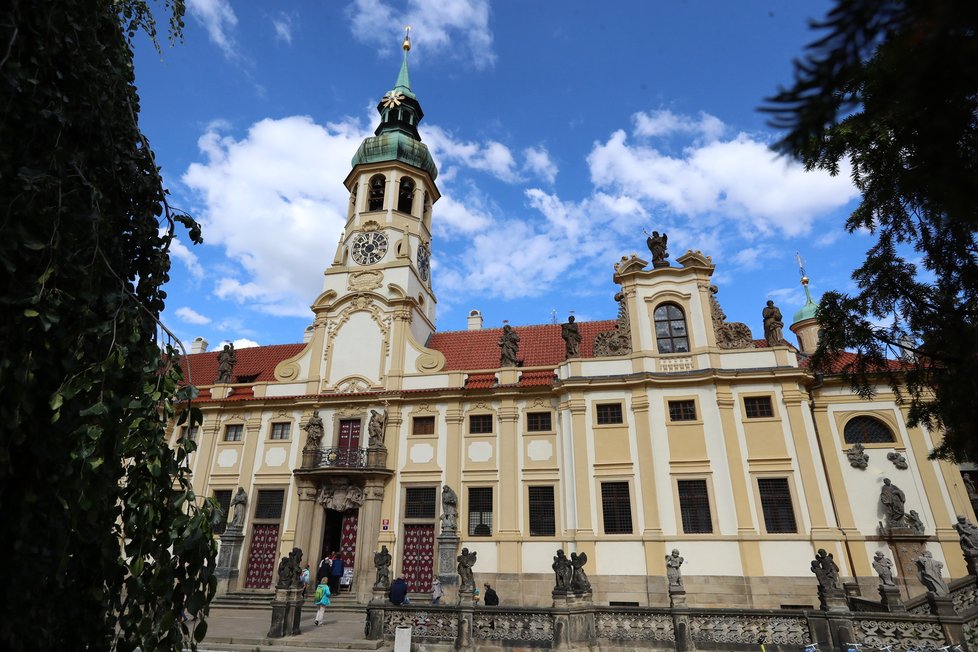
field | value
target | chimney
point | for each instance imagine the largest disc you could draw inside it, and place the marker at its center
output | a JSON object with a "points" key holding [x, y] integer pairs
{"points": [[307, 334], [199, 345], [475, 320]]}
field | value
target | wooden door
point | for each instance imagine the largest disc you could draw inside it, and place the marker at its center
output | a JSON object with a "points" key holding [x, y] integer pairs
{"points": [[261, 558], [419, 556]]}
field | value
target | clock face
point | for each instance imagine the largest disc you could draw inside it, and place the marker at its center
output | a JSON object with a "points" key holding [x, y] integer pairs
{"points": [[424, 262], [369, 248]]}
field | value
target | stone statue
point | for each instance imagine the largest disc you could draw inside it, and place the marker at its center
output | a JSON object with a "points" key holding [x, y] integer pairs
{"points": [[898, 460], [314, 429], [449, 510], [509, 347], [657, 246], [968, 534], [930, 574], [579, 582], [226, 360], [289, 570], [341, 497], [563, 572], [858, 459], [375, 429], [730, 335], [673, 573], [238, 506], [894, 502], [572, 337], [382, 562], [617, 341], [883, 568], [913, 520], [773, 323], [826, 571], [466, 561]]}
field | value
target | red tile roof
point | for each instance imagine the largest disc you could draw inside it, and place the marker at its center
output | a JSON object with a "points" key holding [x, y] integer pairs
{"points": [[540, 345], [844, 361], [259, 361]]}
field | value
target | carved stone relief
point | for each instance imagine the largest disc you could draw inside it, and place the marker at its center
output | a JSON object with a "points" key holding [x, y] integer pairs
{"points": [[858, 458], [619, 340], [733, 335]]}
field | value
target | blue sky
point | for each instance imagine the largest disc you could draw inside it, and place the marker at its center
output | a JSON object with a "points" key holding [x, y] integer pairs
{"points": [[561, 131]]}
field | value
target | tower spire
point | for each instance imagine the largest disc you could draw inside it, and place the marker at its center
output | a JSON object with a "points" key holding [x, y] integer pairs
{"points": [[403, 83]]}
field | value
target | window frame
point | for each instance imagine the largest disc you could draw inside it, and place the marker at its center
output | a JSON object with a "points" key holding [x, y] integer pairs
{"points": [[758, 400], [672, 338], [480, 513], [790, 503], [238, 428], [680, 413], [276, 425], [487, 418], [621, 507], [266, 491], [417, 515], [893, 441], [426, 418], [534, 516], [531, 427], [707, 496], [383, 194], [604, 420]]}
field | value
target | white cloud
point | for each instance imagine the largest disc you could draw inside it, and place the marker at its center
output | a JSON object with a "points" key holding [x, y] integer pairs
{"points": [[191, 316], [219, 19], [283, 27], [740, 179], [240, 343], [666, 123], [491, 157], [273, 201], [455, 27], [539, 163], [180, 251]]}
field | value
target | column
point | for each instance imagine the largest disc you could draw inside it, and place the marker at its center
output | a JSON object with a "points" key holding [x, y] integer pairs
{"points": [[368, 534], [303, 525]]}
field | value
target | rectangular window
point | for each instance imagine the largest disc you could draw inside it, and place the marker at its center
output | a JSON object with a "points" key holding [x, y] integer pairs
{"points": [[423, 426], [223, 498], [616, 507], [480, 511], [538, 422], [419, 502], [480, 423], [281, 430], [682, 410], [779, 514], [234, 432], [609, 413], [694, 505], [269, 503], [758, 407], [542, 515], [189, 433]]}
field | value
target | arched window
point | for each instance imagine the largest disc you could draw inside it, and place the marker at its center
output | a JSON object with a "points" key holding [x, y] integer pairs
{"points": [[377, 186], [868, 430], [670, 329], [353, 201], [405, 195]]}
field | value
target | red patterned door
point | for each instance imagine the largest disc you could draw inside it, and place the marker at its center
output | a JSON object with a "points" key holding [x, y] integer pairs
{"points": [[419, 557], [349, 434], [348, 537], [261, 559]]}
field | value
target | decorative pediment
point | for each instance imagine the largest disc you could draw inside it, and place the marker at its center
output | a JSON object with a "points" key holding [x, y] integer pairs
{"points": [[365, 280], [629, 264]]}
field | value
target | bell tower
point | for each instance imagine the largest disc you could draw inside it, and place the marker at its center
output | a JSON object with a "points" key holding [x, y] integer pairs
{"points": [[381, 273]]}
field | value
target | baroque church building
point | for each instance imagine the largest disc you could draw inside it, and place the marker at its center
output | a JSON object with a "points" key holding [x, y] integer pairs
{"points": [[663, 428]]}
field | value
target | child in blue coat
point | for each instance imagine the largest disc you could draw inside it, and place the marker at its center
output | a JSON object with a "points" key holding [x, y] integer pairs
{"points": [[322, 599]]}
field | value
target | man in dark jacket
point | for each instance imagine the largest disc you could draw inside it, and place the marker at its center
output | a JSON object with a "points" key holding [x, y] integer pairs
{"points": [[398, 592], [335, 574], [323, 570], [491, 599]]}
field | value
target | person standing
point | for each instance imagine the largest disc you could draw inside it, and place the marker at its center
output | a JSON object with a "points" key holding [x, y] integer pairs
{"points": [[322, 599], [398, 593], [335, 573], [304, 580], [491, 599], [323, 571], [436, 591]]}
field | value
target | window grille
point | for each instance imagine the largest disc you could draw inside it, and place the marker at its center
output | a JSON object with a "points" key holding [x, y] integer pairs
{"points": [[779, 513], [480, 511], [758, 407], [538, 422], [682, 410], [480, 423], [616, 507], [223, 497], [670, 329], [269, 503], [694, 506], [233, 432], [609, 413], [419, 502], [868, 430], [190, 432], [281, 430], [423, 426], [542, 515]]}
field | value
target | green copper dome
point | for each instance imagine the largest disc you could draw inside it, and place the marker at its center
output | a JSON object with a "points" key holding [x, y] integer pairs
{"points": [[395, 146], [807, 311]]}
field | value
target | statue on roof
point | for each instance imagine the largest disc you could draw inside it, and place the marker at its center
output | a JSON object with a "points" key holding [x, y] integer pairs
{"points": [[572, 337], [773, 323], [226, 360], [657, 245], [509, 347]]}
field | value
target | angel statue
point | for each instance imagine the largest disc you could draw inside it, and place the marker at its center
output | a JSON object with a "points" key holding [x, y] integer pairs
{"points": [[580, 583], [466, 561]]}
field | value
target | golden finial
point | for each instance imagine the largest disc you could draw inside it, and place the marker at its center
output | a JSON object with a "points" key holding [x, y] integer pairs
{"points": [[406, 45], [801, 268]]}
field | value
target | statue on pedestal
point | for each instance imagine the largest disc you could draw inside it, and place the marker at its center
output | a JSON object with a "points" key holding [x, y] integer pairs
{"points": [[657, 247], [509, 347], [673, 572], [466, 560], [226, 360], [449, 510], [314, 429], [826, 571], [238, 506], [563, 572], [375, 429], [580, 582], [382, 562], [883, 568], [894, 504], [968, 535], [571, 333], [930, 574], [773, 325]]}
